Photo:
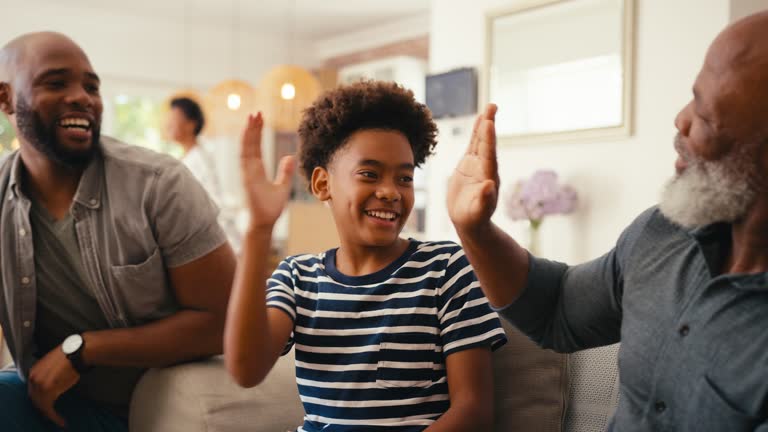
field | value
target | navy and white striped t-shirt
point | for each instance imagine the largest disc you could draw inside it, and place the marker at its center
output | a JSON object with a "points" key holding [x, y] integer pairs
{"points": [[370, 350]]}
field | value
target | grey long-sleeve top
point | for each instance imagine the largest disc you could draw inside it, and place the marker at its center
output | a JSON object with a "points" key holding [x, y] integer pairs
{"points": [[694, 342]]}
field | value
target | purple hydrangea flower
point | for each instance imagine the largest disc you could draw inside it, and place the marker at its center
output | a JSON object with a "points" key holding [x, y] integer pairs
{"points": [[539, 196]]}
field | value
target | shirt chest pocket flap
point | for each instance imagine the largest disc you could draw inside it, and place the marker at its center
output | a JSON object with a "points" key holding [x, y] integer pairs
{"points": [[143, 287], [712, 408], [405, 364]]}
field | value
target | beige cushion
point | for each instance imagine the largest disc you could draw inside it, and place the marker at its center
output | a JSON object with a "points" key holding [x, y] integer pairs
{"points": [[530, 386], [202, 397]]}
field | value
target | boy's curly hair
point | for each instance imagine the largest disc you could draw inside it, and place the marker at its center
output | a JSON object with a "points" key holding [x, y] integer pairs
{"points": [[337, 114]]}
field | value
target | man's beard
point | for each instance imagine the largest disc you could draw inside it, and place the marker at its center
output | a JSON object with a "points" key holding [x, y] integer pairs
{"points": [[708, 192], [43, 138]]}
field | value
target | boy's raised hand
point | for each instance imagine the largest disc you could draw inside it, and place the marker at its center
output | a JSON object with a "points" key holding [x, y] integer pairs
{"points": [[473, 188], [266, 199]]}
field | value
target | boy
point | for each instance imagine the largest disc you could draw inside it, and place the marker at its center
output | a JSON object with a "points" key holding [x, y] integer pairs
{"points": [[391, 334]]}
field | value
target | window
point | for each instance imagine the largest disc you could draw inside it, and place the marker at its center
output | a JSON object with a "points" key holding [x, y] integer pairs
{"points": [[8, 140], [137, 120]]}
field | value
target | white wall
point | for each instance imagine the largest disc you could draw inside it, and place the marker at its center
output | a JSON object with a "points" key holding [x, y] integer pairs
{"points": [[617, 179], [372, 37], [152, 52], [742, 8]]}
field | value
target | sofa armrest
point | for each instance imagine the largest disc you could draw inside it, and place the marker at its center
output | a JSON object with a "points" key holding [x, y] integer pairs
{"points": [[201, 397], [593, 388]]}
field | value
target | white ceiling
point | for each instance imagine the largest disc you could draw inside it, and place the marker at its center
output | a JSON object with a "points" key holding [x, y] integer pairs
{"points": [[300, 18]]}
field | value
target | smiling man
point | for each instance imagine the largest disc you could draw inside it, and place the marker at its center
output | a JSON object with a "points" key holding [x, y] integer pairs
{"points": [[98, 280], [685, 290]]}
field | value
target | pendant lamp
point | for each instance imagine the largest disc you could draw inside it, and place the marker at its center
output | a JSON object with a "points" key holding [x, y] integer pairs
{"points": [[285, 91], [230, 101]]}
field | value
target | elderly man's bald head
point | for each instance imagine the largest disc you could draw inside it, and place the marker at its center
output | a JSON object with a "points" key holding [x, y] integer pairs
{"points": [[731, 92], [749, 35], [742, 49]]}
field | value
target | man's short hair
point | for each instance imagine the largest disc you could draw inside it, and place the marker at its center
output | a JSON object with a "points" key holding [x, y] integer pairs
{"points": [[191, 110]]}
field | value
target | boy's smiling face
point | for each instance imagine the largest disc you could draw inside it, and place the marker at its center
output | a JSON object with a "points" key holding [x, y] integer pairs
{"points": [[369, 185]]}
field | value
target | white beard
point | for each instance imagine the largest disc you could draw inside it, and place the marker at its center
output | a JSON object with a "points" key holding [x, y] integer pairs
{"points": [[708, 192]]}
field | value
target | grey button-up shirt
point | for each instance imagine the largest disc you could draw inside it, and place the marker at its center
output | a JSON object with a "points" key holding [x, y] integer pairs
{"points": [[137, 213], [694, 342]]}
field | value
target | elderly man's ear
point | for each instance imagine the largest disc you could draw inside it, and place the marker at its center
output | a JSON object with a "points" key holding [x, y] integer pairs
{"points": [[6, 99]]}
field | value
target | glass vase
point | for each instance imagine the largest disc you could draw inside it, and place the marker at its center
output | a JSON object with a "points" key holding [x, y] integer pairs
{"points": [[533, 236]]}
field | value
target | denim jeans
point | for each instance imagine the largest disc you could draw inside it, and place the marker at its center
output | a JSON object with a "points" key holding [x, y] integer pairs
{"points": [[18, 414]]}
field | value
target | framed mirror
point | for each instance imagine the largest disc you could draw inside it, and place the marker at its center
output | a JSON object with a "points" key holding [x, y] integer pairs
{"points": [[561, 69]]}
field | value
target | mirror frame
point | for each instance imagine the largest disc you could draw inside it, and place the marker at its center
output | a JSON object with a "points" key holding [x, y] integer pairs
{"points": [[622, 130]]}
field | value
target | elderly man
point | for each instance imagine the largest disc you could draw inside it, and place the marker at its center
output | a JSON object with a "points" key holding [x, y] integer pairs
{"points": [[685, 289], [99, 280]]}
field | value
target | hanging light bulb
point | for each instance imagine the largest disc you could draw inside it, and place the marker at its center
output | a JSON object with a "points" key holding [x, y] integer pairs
{"points": [[288, 91], [285, 91], [226, 102], [229, 99], [233, 101]]}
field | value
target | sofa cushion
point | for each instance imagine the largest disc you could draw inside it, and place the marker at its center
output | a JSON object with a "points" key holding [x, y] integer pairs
{"points": [[202, 397], [530, 385]]}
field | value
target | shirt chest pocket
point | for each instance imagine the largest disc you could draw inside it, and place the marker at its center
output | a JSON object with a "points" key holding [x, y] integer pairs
{"points": [[143, 289], [714, 412], [403, 365]]}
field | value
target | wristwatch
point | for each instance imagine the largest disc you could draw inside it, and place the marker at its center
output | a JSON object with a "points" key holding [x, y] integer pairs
{"points": [[73, 347]]}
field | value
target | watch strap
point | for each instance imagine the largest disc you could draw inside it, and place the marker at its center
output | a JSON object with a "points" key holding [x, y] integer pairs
{"points": [[76, 359]]}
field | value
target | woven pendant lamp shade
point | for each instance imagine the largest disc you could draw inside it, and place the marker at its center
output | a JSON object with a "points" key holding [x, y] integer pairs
{"points": [[165, 109], [228, 105], [286, 91]]}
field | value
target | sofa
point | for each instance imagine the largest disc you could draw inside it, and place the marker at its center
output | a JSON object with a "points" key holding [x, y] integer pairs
{"points": [[535, 390]]}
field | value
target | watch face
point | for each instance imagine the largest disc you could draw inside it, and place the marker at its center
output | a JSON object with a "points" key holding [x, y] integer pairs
{"points": [[72, 344]]}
